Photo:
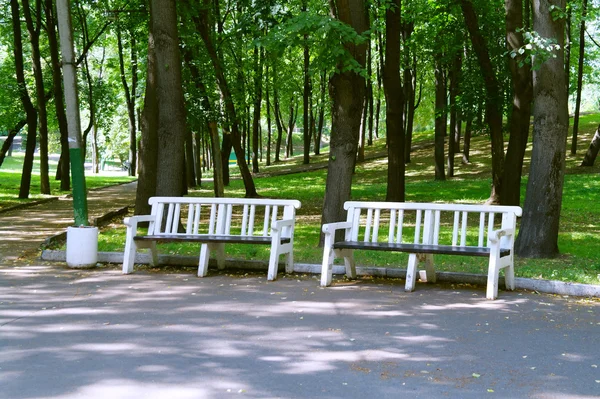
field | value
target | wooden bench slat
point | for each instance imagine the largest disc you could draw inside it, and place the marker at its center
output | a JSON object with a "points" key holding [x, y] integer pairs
{"points": [[209, 238], [418, 248]]}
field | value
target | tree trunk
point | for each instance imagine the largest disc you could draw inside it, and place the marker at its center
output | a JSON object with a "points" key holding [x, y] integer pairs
{"points": [[454, 84], [521, 109], [59, 103], [259, 60], [277, 113], [538, 235], [203, 27], [493, 103], [149, 141], [394, 97], [440, 110], [34, 28], [321, 120], [129, 97], [7, 145], [347, 93], [172, 129], [25, 100], [305, 97], [267, 100], [579, 77], [467, 142], [592, 152]]}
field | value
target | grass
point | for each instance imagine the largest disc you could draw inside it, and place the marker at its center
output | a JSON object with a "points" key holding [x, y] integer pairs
{"points": [[579, 228], [10, 181]]}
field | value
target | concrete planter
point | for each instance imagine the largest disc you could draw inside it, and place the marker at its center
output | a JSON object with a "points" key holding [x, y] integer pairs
{"points": [[82, 246]]}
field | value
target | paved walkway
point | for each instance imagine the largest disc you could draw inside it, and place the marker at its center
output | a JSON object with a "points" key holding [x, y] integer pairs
{"points": [[100, 334], [24, 230]]}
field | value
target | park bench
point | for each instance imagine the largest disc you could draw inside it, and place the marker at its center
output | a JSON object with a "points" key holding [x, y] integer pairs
{"points": [[423, 230], [214, 222]]}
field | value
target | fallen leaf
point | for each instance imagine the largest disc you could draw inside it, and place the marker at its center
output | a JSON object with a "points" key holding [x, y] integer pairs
{"points": [[475, 375]]}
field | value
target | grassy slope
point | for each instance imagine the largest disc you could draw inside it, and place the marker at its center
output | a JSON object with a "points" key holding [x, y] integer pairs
{"points": [[580, 219], [10, 180]]}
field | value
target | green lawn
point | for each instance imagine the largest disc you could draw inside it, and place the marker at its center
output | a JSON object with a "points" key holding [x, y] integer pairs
{"points": [[10, 181], [579, 241]]}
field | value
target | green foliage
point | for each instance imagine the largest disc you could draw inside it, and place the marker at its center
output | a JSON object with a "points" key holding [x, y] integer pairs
{"points": [[536, 51]]}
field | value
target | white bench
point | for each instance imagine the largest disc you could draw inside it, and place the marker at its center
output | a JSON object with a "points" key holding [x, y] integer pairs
{"points": [[214, 222], [449, 229]]}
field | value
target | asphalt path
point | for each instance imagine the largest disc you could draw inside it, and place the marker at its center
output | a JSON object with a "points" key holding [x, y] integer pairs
{"points": [[100, 334]]}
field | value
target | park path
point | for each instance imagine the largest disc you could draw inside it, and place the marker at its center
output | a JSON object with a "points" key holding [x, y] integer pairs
{"points": [[24, 230]]}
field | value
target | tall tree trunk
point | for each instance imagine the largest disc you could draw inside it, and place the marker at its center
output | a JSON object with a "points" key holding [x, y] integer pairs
{"points": [[6, 149], [305, 96], [394, 97], [538, 235], [59, 103], [25, 100], [521, 109], [172, 129], [321, 120], [267, 100], [34, 28], [277, 113], [440, 110], [203, 27], [369, 93], [592, 152], [149, 142], [130, 95], [258, 67], [493, 103], [347, 93], [454, 83], [579, 77], [467, 142]]}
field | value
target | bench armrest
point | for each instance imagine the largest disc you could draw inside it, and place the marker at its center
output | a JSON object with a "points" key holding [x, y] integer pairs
{"points": [[134, 220], [330, 228], [279, 224], [496, 235]]}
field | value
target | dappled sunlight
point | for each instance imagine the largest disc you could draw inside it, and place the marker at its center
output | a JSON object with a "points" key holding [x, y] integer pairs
{"points": [[174, 335]]}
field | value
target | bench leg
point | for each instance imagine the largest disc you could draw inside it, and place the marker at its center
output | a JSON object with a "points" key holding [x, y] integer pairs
{"points": [[327, 264], [273, 263], [492, 280], [348, 255], [129, 255], [220, 255], [153, 254], [429, 269], [411, 273], [289, 262], [509, 275], [203, 263]]}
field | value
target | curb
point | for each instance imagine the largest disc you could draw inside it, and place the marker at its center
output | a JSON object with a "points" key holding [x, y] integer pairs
{"points": [[545, 286]]}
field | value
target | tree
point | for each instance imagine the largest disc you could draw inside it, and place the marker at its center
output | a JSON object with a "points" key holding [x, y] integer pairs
{"points": [[394, 97], [538, 235], [347, 88], [493, 101], [34, 26], [520, 71], [25, 100], [581, 58]]}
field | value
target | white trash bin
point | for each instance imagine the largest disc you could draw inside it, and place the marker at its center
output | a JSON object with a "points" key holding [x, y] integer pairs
{"points": [[82, 246]]}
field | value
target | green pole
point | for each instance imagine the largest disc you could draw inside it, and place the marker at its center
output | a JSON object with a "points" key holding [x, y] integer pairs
{"points": [[65, 31]]}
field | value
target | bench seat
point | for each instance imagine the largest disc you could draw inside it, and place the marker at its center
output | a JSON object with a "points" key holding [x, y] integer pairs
{"points": [[260, 240], [419, 248]]}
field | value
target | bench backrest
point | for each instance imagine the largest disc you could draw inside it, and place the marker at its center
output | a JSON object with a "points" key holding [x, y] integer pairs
{"points": [[220, 216], [421, 223]]}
